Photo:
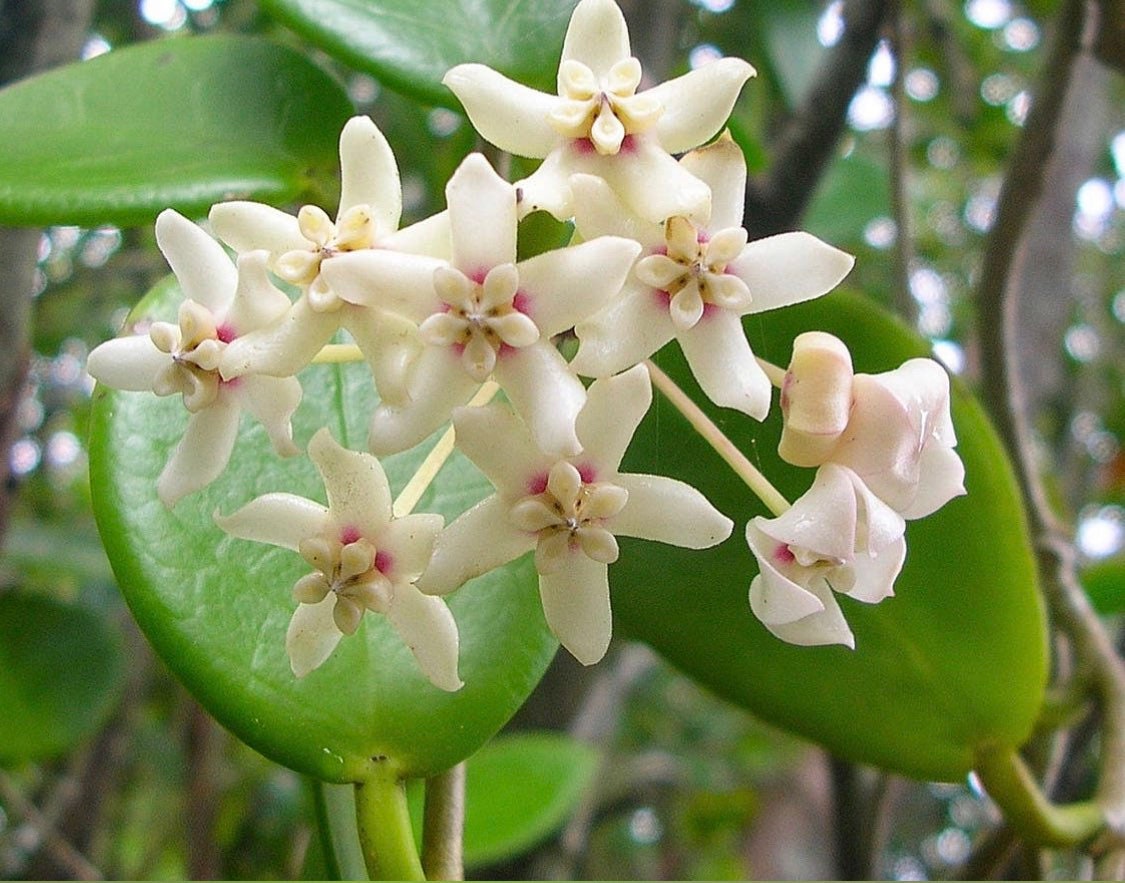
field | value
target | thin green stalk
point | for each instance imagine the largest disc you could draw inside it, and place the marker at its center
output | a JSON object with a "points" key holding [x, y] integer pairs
{"points": [[1010, 784], [385, 834], [718, 440]]}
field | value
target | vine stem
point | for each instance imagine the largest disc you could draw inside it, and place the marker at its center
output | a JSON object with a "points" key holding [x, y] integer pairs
{"points": [[718, 440], [443, 825], [383, 820]]}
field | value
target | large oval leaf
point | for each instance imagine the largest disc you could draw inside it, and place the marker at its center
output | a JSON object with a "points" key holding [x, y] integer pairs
{"points": [[956, 660], [61, 672], [176, 122], [410, 46], [217, 609]]}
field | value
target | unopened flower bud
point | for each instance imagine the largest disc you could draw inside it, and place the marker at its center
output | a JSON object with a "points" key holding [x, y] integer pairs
{"points": [[816, 398]]}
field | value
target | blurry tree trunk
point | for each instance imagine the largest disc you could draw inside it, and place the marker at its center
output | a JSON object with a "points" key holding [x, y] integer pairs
{"points": [[34, 35]]}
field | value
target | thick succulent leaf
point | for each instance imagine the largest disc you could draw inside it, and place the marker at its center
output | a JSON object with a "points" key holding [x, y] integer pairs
{"points": [[183, 123], [61, 673], [217, 608], [957, 659], [410, 46]]}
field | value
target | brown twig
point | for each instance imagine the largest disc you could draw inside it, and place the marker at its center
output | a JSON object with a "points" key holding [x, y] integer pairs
{"points": [[807, 143], [60, 849], [444, 824], [997, 312]]}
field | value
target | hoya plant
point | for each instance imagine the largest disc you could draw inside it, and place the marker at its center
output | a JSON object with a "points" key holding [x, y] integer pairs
{"points": [[360, 480]]}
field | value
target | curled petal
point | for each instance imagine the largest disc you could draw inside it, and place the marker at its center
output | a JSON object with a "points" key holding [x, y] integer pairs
{"points": [[480, 540], [668, 511], [730, 293], [789, 268], [576, 81], [279, 519], [626, 332], [131, 363], [202, 454], [597, 37], [774, 598], [482, 215], [816, 398], [390, 344], [607, 132], [387, 280], [614, 409], [817, 629], [249, 226], [686, 307], [875, 574], [283, 348], [545, 393], [719, 356], [426, 626], [698, 103], [722, 167], [658, 271], [369, 174], [823, 520], [941, 477], [205, 273], [358, 494], [312, 636], [576, 604], [257, 302], [498, 443], [272, 400], [725, 246], [506, 113]]}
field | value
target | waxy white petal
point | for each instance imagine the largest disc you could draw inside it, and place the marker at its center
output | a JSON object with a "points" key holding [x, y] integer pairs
{"points": [[568, 285], [283, 348], [205, 273], [875, 574], [614, 409], [482, 216], [628, 331], [576, 605], [369, 174], [359, 496], [722, 167], [498, 443], [941, 477], [280, 519], [816, 398], [504, 112], [312, 636], [669, 511], [650, 181], [598, 212], [390, 344], [822, 520], [774, 598], [698, 103], [272, 400], [597, 36], [130, 363], [409, 541], [257, 302], [480, 540], [203, 452], [719, 356], [388, 280], [545, 393], [789, 268], [429, 237], [426, 626], [817, 629], [248, 226], [437, 384]]}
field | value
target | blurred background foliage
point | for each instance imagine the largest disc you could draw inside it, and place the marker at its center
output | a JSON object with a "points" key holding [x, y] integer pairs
{"points": [[131, 779]]}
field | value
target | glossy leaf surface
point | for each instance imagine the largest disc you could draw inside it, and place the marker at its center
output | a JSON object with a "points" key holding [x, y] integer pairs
{"points": [[410, 46], [61, 672], [217, 608], [175, 122], [955, 660]]}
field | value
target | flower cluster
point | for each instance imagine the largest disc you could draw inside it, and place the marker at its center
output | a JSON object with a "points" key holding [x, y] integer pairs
{"points": [[442, 307]]}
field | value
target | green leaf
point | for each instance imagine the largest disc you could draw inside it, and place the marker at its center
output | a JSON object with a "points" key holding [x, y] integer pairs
{"points": [[851, 195], [410, 46], [1104, 582], [957, 659], [216, 608], [177, 122], [61, 673], [520, 789]]}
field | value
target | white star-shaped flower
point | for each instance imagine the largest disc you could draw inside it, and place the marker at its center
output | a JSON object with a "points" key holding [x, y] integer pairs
{"points": [[836, 538], [299, 247], [483, 314], [599, 124], [568, 510], [695, 282], [223, 303], [362, 559], [893, 429]]}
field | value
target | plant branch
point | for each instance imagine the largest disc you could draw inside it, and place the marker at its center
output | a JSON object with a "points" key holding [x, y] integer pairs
{"points": [[897, 165], [1004, 393], [443, 825], [61, 850], [807, 143], [385, 834]]}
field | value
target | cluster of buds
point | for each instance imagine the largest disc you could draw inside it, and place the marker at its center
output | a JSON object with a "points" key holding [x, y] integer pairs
{"points": [[441, 308]]}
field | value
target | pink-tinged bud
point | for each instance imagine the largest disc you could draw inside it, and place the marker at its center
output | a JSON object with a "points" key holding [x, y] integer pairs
{"points": [[816, 398]]}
